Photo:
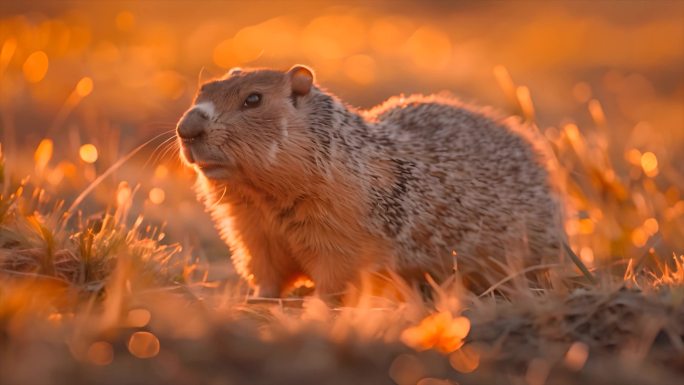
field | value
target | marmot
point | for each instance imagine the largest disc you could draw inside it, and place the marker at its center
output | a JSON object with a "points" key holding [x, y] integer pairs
{"points": [[299, 183]]}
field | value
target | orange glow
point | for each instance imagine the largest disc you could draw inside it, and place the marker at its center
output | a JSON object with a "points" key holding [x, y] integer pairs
{"points": [[84, 87], [503, 78], [581, 92], [170, 84], [572, 132], [586, 226], [157, 196], [388, 33], [100, 353], [334, 36], [465, 360], [576, 356], [223, 54], [248, 44], [35, 67], [649, 163], [123, 194], [43, 154], [439, 331], [525, 100], [143, 345], [672, 195], [633, 156], [651, 226], [55, 318], [125, 21], [106, 249], [406, 369], [138, 317], [360, 69], [597, 113], [429, 47], [88, 153], [7, 51], [587, 256], [639, 237], [161, 172]]}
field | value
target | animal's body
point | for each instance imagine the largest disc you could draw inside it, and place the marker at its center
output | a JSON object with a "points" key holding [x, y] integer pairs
{"points": [[299, 183]]}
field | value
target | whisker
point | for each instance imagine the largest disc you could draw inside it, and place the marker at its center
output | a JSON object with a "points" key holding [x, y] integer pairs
{"points": [[159, 124], [158, 151], [218, 201], [170, 148], [70, 211]]}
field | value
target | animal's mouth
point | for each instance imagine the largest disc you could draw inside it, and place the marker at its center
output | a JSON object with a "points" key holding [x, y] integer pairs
{"points": [[209, 166], [214, 170], [196, 156]]}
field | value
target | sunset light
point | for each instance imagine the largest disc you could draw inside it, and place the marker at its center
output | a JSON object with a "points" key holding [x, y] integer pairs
{"points": [[35, 67], [84, 87], [331, 192], [88, 153]]}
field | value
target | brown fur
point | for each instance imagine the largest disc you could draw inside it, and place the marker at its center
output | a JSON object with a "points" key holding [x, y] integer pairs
{"points": [[305, 185]]}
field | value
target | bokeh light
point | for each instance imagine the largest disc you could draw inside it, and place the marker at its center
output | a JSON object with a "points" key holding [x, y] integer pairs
{"points": [[465, 360], [100, 353], [138, 317], [43, 154], [123, 194], [581, 92], [7, 51], [143, 345], [440, 331], [360, 69], [35, 67], [84, 87], [576, 356], [84, 84], [125, 21], [429, 48], [649, 162], [88, 153], [157, 196]]}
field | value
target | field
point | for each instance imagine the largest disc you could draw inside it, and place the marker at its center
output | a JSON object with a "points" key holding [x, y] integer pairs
{"points": [[112, 273]]}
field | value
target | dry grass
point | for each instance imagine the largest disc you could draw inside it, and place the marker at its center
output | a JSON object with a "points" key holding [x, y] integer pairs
{"points": [[102, 300], [111, 273]]}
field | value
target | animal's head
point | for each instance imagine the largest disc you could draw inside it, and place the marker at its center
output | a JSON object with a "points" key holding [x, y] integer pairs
{"points": [[244, 122]]}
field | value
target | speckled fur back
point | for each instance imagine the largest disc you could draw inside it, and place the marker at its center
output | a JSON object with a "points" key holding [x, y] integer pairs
{"points": [[417, 185], [474, 186]]}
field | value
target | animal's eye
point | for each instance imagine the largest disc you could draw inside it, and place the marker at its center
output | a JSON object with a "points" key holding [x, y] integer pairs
{"points": [[253, 100]]}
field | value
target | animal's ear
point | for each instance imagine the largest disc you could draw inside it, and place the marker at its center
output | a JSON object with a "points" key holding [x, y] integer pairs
{"points": [[301, 79], [234, 71]]}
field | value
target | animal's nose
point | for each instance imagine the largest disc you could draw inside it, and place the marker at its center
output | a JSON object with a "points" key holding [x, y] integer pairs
{"points": [[192, 125]]}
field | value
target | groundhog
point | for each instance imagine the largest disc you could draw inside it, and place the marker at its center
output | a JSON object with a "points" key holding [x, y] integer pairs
{"points": [[301, 184]]}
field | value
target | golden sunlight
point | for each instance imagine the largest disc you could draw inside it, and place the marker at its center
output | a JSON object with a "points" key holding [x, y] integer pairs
{"points": [[446, 193], [138, 318], [35, 67], [576, 356], [42, 155], [465, 360], [100, 353], [429, 48], [157, 196], [649, 163], [84, 86], [143, 345], [440, 331], [88, 153]]}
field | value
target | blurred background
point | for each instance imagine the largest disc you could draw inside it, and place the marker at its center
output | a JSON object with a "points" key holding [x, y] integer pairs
{"points": [[84, 83]]}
